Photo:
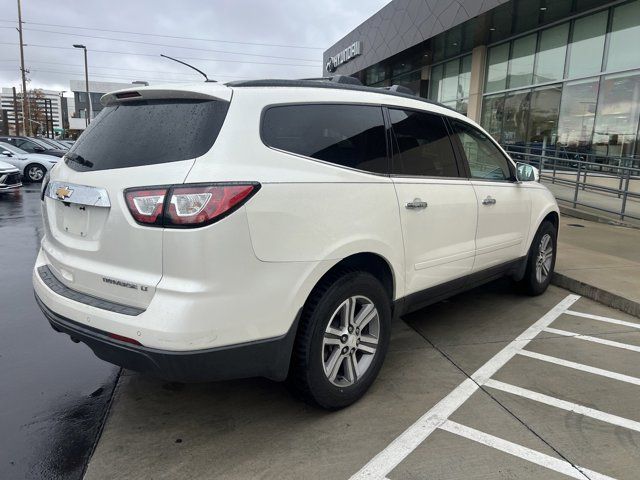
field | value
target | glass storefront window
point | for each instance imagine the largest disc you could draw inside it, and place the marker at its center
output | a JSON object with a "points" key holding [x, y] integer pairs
{"points": [[434, 81], [617, 115], [625, 37], [449, 89], [516, 116], [551, 54], [521, 63], [577, 114], [543, 117], [587, 45], [492, 114], [464, 80], [497, 61]]}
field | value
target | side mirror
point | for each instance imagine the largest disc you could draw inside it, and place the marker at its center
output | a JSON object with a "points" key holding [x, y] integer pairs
{"points": [[7, 153], [38, 149], [526, 173]]}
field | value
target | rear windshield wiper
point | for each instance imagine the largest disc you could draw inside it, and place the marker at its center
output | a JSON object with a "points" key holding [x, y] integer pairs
{"points": [[74, 157]]}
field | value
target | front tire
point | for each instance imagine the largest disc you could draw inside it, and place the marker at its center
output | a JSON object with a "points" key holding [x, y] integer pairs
{"points": [[342, 340], [541, 260]]}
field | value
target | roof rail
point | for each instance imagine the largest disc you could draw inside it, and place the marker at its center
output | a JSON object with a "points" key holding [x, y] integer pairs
{"points": [[344, 79], [400, 89], [327, 82]]}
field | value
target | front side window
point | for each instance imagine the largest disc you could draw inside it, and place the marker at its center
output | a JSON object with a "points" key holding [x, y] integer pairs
{"points": [[485, 160], [422, 145], [347, 135]]}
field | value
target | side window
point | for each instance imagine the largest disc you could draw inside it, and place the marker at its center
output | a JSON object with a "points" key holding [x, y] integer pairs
{"points": [[485, 160], [423, 145], [24, 145], [347, 135]]}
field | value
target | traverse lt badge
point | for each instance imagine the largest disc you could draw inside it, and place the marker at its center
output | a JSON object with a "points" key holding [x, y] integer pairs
{"points": [[64, 192], [120, 283]]}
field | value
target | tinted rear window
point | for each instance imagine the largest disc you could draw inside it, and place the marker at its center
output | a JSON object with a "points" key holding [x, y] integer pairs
{"points": [[347, 135], [148, 132]]}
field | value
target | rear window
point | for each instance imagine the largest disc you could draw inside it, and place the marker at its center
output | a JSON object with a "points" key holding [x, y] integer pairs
{"points": [[347, 135], [148, 132]]}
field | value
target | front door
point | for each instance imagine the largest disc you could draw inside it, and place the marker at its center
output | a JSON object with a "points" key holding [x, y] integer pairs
{"points": [[504, 205], [438, 206]]}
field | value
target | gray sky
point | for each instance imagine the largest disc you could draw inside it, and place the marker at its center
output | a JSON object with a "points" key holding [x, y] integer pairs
{"points": [[316, 24]]}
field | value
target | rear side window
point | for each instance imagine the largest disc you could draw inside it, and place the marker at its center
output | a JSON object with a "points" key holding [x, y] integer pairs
{"points": [[347, 135], [423, 147], [148, 132]]}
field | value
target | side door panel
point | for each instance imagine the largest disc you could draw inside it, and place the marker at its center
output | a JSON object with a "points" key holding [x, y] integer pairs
{"points": [[437, 205], [503, 226], [504, 206]]}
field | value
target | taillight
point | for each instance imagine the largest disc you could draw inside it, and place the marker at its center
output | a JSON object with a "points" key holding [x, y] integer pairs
{"points": [[187, 206], [146, 204]]}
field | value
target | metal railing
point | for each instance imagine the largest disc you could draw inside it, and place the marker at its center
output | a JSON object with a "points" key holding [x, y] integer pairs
{"points": [[606, 184]]}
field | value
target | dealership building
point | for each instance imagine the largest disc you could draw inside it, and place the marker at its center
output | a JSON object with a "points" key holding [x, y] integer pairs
{"points": [[561, 74]]}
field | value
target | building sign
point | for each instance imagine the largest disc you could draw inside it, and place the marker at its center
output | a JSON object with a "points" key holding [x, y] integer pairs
{"points": [[344, 56]]}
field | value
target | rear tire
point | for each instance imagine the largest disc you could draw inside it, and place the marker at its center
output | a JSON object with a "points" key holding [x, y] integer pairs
{"points": [[342, 340], [34, 173], [541, 260]]}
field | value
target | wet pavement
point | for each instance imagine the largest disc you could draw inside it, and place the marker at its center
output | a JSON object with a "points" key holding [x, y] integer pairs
{"points": [[53, 393]]}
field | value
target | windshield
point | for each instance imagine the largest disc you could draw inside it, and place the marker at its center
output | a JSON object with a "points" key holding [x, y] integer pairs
{"points": [[148, 132]]}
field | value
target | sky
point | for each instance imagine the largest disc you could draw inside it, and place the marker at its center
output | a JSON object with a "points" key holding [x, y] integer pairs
{"points": [[282, 38]]}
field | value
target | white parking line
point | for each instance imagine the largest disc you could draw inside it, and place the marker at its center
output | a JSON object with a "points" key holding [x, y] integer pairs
{"points": [[525, 453], [564, 405], [603, 319], [380, 466], [580, 366], [588, 338]]}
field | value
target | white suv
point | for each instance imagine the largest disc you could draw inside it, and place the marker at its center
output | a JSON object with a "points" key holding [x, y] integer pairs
{"points": [[274, 228]]}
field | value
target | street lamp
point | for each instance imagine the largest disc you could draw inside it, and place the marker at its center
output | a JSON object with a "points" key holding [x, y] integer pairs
{"points": [[86, 81]]}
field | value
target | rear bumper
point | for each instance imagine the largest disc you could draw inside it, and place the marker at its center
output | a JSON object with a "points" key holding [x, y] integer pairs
{"points": [[265, 358]]}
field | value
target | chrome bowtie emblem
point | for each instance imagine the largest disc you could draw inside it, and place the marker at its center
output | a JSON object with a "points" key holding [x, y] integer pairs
{"points": [[64, 192]]}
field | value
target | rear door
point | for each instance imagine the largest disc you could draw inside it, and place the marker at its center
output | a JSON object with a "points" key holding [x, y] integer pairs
{"points": [[437, 204], [504, 205], [92, 243]]}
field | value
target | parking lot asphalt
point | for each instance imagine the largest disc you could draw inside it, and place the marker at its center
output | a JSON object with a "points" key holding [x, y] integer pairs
{"points": [[53, 393], [489, 384]]}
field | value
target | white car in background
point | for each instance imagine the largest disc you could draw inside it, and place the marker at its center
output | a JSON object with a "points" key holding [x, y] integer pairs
{"points": [[9, 177], [33, 166]]}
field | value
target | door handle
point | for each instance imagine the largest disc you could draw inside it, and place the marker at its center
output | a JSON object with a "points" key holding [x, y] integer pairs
{"points": [[416, 204], [489, 200]]}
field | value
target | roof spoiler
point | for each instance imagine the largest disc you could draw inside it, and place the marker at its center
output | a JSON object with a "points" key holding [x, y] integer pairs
{"points": [[151, 93]]}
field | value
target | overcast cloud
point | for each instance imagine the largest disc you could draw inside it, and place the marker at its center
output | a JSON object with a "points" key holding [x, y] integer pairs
{"points": [[316, 24]]}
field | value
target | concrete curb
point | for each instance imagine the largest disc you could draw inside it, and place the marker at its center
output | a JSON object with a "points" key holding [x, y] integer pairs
{"points": [[593, 217], [595, 293]]}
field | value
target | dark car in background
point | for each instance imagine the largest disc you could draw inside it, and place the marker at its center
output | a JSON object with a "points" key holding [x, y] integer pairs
{"points": [[33, 145]]}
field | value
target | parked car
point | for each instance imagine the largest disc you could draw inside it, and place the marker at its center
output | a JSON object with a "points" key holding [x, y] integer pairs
{"points": [[52, 143], [9, 177], [68, 143], [33, 166], [274, 228], [33, 145]]}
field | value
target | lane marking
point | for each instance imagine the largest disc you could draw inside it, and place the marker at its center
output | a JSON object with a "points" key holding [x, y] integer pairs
{"points": [[579, 366], [525, 453], [564, 405], [385, 461], [603, 319], [588, 338]]}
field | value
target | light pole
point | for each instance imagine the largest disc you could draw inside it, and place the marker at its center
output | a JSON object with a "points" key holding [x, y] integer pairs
{"points": [[86, 82]]}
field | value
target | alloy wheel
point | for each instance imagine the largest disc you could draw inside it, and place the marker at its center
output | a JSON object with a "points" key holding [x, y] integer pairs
{"points": [[350, 341], [544, 258], [35, 173]]}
